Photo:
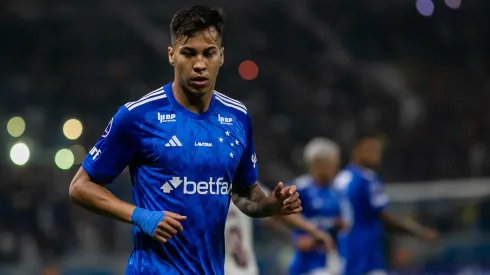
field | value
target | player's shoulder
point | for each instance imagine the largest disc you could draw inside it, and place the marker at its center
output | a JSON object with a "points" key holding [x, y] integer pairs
{"points": [[231, 105], [302, 182], [153, 100], [343, 179], [365, 174], [131, 114]]}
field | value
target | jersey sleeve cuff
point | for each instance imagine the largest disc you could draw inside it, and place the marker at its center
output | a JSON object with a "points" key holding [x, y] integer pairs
{"points": [[95, 175], [249, 182]]}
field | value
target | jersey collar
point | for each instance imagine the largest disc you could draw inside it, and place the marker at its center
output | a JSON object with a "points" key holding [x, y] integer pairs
{"points": [[170, 94]]}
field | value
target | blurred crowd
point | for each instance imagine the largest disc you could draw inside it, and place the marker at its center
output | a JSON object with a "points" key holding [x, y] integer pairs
{"points": [[326, 68]]}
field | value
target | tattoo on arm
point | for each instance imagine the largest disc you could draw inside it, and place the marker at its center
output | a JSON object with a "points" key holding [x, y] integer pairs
{"points": [[252, 201]]}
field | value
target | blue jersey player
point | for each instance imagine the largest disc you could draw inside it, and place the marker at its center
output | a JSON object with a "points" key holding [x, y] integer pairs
{"points": [[364, 210], [189, 150], [320, 207]]}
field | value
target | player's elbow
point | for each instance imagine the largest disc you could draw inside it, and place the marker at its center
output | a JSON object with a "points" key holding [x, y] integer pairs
{"points": [[75, 191], [77, 186]]}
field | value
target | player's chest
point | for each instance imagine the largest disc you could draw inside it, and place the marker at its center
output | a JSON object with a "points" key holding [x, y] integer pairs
{"points": [[196, 144], [321, 203]]}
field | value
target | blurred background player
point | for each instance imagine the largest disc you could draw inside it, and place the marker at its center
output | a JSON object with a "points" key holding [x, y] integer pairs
{"points": [[240, 257], [320, 207], [364, 210]]}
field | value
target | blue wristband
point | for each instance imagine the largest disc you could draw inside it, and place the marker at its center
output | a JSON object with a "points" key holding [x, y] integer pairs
{"points": [[147, 220]]}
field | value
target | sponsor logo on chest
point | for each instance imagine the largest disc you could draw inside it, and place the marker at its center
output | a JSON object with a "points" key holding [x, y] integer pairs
{"points": [[203, 144], [165, 118], [225, 120]]}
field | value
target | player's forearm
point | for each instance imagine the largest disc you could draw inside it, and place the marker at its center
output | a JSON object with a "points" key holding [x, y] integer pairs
{"points": [[301, 223], [252, 201], [98, 199], [297, 221], [403, 226], [278, 226]]}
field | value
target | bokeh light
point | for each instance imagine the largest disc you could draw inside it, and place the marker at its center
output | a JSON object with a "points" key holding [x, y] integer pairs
{"points": [[425, 7], [79, 152], [248, 70], [64, 159], [72, 129], [19, 154], [16, 126], [453, 4]]}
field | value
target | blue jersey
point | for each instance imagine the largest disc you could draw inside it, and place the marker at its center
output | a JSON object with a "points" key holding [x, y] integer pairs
{"points": [[320, 207], [362, 200], [180, 162]]}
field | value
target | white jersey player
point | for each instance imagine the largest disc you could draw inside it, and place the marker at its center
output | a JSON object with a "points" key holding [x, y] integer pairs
{"points": [[239, 252]]}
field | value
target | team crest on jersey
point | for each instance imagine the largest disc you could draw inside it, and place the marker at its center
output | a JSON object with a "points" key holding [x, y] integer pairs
{"points": [[107, 129]]}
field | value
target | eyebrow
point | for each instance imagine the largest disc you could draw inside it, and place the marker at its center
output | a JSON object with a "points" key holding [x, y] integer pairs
{"points": [[187, 48]]}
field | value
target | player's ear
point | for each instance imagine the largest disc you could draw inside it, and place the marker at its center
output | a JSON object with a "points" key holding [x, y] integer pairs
{"points": [[222, 56], [171, 55]]}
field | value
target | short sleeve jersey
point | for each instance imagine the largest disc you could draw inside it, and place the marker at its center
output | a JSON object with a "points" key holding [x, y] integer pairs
{"points": [[362, 200], [180, 162], [321, 208]]}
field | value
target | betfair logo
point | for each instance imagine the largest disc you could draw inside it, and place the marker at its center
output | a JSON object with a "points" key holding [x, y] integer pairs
{"points": [[218, 187]]}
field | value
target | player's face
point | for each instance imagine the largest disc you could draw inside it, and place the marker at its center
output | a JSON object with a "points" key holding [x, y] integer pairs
{"points": [[196, 60], [325, 169], [369, 151]]}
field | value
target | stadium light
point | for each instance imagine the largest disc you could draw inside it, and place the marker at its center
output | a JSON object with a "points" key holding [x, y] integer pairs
{"points": [[72, 129], [64, 159], [425, 7], [16, 126], [248, 70], [453, 4], [79, 152], [19, 154]]}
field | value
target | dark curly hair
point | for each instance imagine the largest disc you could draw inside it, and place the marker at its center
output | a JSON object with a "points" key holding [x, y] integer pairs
{"points": [[189, 21]]}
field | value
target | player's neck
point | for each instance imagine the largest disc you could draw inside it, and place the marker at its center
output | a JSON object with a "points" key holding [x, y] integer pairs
{"points": [[196, 103], [321, 182], [362, 166]]}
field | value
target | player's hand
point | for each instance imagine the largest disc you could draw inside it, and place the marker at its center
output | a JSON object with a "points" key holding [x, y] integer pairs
{"points": [[325, 239], [430, 235], [286, 200], [341, 224], [305, 243], [169, 226]]}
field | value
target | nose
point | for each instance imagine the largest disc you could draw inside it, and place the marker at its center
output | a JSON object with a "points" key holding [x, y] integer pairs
{"points": [[200, 64]]}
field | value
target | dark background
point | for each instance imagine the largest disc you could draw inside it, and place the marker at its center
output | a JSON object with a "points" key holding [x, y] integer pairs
{"points": [[325, 68]]}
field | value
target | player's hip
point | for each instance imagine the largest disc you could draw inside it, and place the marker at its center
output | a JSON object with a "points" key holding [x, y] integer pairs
{"points": [[151, 262]]}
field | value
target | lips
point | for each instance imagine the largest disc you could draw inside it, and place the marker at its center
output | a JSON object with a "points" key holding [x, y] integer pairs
{"points": [[199, 78], [200, 81]]}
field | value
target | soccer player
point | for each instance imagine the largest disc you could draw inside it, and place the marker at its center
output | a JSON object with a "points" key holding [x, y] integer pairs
{"points": [[320, 206], [240, 256], [364, 209], [188, 148]]}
